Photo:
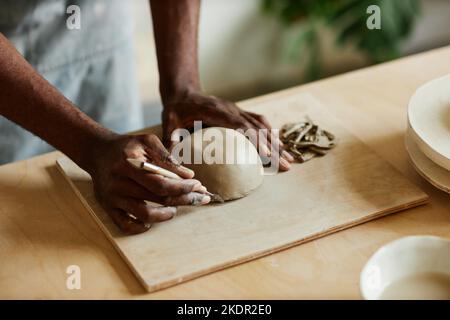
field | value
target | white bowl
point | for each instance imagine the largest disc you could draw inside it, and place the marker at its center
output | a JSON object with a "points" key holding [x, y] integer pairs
{"points": [[429, 119], [408, 256], [430, 171]]}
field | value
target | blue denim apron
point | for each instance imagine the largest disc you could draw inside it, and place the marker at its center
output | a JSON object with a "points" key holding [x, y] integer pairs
{"points": [[93, 66]]}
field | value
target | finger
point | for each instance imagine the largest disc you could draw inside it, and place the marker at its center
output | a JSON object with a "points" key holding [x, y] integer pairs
{"points": [[172, 137], [284, 164], [159, 155], [277, 147], [263, 134], [190, 199], [163, 186], [262, 119], [258, 138], [273, 142], [264, 145], [255, 123], [286, 155], [279, 156], [129, 188], [143, 211], [126, 223], [193, 199], [261, 122], [274, 152]]}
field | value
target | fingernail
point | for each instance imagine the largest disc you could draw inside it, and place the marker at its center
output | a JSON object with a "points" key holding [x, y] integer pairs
{"points": [[265, 150], [205, 200], [170, 212], [187, 170], [197, 187], [173, 160], [287, 155], [284, 163]]}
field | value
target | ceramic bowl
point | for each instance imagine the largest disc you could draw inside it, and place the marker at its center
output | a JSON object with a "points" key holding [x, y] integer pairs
{"points": [[429, 120], [430, 171], [402, 258]]}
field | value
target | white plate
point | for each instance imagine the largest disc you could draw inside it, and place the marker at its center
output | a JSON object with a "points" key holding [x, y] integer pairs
{"points": [[437, 176], [402, 258], [429, 119]]}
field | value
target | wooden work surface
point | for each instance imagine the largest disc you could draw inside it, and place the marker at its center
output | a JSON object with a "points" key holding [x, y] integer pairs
{"points": [[44, 228]]}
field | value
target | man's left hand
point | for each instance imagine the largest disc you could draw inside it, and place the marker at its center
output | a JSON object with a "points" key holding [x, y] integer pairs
{"points": [[181, 112]]}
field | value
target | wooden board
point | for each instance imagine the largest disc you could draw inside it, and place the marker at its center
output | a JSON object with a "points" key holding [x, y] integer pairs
{"points": [[349, 186]]}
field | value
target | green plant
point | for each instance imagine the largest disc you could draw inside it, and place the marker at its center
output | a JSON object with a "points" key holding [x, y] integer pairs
{"points": [[347, 18]]}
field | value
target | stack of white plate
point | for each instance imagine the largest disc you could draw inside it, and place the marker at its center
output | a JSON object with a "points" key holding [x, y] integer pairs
{"points": [[428, 133]]}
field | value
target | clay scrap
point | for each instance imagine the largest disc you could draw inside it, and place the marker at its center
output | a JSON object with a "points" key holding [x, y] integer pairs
{"points": [[306, 140]]}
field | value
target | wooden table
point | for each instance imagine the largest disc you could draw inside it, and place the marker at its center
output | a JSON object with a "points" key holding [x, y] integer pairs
{"points": [[44, 228]]}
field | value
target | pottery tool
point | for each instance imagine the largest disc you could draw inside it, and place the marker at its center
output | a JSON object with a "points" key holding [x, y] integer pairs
{"points": [[150, 167]]}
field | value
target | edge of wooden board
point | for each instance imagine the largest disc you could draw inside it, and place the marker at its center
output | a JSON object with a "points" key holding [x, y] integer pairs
{"points": [[263, 253], [169, 283], [98, 222]]}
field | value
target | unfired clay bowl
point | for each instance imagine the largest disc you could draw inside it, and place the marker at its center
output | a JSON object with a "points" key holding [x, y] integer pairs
{"points": [[401, 258]]}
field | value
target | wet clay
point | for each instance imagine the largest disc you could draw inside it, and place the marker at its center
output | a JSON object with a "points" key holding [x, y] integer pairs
{"points": [[234, 168]]}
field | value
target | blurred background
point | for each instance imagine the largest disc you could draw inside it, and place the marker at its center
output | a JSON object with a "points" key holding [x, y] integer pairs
{"points": [[248, 48]]}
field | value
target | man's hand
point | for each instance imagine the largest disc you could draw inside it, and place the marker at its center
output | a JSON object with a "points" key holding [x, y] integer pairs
{"points": [[122, 189], [181, 112]]}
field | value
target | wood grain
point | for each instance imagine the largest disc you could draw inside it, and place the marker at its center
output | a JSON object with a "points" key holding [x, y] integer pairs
{"points": [[349, 186]]}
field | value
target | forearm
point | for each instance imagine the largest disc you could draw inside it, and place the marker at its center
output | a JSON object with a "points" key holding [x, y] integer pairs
{"points": [[175, 24], [29, 100]]}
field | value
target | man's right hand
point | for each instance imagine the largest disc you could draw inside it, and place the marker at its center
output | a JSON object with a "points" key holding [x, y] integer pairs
{"points": [[122, 189], [27, 99]]}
